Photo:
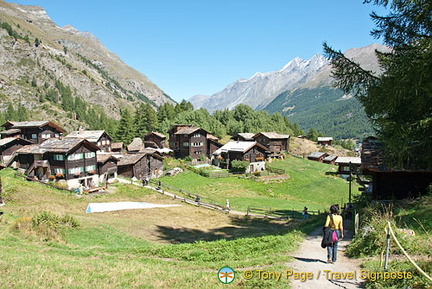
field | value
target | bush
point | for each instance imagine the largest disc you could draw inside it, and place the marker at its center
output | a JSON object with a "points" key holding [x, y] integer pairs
{"points": [[45, 225], [239, 166]]}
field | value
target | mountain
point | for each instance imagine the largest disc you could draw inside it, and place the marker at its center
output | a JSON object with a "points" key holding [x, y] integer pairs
{"points": [[41, 62], [302, 90], [259, 90]]}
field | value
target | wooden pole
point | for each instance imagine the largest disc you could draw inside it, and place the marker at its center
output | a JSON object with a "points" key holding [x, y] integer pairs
{"points": [[1, 188]]}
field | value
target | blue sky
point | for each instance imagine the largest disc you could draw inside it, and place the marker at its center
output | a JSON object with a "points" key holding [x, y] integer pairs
{"points": [[199, 47]]}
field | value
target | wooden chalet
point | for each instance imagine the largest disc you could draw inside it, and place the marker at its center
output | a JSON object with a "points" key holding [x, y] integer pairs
{"points": [[34, 131], [107, 167], [187, 140], [142, 164], [155, 140], [249, 151], [69, 159], [97, 137], [325, 141], [276, 143], [317, 156], [389, 183], [8, 146], [348, 165]]}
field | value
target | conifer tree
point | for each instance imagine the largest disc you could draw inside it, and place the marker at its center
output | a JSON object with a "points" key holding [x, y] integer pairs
{"points": [[399, 101], [125, 129]]}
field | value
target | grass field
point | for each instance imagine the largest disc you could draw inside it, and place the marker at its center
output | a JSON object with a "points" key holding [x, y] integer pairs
{"points": [[307, 185], [175, 247]]}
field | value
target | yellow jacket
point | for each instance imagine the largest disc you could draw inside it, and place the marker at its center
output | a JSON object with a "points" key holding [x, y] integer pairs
{"points": [[337, 223]]}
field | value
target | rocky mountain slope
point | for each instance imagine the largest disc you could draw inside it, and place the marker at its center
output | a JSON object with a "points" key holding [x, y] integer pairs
{"points": [[39, 60]]}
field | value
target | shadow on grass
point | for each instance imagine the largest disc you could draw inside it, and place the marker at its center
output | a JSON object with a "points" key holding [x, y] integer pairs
{"points": [[242, 227]]}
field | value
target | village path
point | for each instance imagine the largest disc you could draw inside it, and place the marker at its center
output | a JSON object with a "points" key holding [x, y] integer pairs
{"points": [[310, 257], [174, 196]]}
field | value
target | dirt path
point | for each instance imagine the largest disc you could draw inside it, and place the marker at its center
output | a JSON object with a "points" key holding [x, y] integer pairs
{"points": [[310, 257]]}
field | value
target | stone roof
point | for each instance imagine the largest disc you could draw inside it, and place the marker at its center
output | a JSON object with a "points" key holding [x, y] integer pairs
{"points": [[347, 160], [158, 134], [273, 135], [238, 146], [7, 140], [130, 159], [28, 124], [90, 135], [187, 130], [54, 145], [10, 131], [136, 145], [316, 155]]}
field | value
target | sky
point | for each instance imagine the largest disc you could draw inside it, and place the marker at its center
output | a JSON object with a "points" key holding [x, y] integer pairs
{"points": [[194, 47]]}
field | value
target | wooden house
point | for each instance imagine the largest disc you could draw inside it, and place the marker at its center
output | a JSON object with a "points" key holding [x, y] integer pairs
{"points": [[348, 165], [187, 140], [155, 140], [249, 151], [317, 156], [276, 143], [391, 183], [139, 165], [8, 146], [325, 141], [70, 159], [97, 137], [35, 131], [107, 167]]}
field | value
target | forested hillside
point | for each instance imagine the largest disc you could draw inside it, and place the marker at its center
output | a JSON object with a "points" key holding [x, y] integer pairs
{"points": [[324, 109]]}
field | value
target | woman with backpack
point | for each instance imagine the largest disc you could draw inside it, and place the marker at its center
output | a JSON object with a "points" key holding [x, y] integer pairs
{"points": [[334, 220]]}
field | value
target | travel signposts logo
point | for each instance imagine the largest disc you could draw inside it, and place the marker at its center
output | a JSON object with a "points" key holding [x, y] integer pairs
{"points": [[226, 275]]}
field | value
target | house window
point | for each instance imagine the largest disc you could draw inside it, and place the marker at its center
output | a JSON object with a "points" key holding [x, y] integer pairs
{"points": [[185, 144], [59, 171], [76, 170], [196, 134], [46, 135], [34, 136], [90, 155], [58, 157], [74, 157], [103, 142], [90, 168]]}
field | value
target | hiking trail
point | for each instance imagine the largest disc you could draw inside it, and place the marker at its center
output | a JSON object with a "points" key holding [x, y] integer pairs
{"points": [[310, 257]]}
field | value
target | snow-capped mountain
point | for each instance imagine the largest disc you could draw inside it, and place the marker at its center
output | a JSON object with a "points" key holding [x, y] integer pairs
{"points": [[260, 89]]}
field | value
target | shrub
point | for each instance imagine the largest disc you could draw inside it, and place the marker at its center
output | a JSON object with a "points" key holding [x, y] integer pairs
{"points": [[239, 166]]}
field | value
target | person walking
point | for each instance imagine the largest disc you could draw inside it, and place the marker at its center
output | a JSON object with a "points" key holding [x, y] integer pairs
{"points": [[335, 221]]}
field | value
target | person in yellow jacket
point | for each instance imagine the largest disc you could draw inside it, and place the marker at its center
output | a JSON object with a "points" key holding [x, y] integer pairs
{"points": [[334, 220]]}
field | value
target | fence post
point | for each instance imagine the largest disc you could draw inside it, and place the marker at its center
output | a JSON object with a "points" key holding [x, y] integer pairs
{"points": [[387, 247]]}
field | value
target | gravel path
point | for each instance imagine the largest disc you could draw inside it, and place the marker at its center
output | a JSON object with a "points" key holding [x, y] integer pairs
{"points": [[311, 258]]}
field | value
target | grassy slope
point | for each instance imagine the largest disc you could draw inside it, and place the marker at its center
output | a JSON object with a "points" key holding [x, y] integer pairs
{"points": [[126, 248], [308, 185]]}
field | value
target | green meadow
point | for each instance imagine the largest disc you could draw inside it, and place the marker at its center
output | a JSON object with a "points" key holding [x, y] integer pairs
{"points": [[48, 240]]}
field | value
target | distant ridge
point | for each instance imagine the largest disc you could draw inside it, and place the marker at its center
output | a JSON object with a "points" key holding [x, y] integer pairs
{"points": [[302, 90]]}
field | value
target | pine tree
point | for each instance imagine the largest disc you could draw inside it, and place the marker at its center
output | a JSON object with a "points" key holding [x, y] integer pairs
{"points": [[399, 101], [125, 129]]}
